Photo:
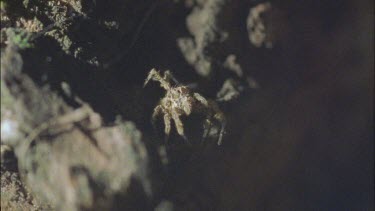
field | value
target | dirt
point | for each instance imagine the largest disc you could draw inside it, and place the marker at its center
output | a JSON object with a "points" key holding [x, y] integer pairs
{"points": [[294, 80]]}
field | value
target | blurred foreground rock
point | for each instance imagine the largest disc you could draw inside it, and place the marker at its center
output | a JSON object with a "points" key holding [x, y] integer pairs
{"points": [[65, 155]]}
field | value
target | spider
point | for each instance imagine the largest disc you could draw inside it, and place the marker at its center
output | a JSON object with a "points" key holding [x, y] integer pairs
{"points": [[179, 100]]}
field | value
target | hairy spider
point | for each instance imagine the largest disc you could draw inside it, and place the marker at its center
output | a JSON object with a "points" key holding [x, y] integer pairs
{"points": [[180, 100]]}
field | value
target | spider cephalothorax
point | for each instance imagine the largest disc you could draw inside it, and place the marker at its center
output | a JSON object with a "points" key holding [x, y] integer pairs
{"points": [[180, 100]]}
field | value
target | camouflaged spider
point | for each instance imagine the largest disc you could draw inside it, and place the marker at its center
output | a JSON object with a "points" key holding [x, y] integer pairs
{"points": [[180, 100]]}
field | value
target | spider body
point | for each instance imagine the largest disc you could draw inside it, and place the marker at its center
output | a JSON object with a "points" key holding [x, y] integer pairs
{"points": [[179, 101]]}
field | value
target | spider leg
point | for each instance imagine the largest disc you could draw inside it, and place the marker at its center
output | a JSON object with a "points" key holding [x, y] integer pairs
{"points": [[168, 76], [206, 128], [201, 99], [179, 125], [167, 123], [153, 74], [187, 108], [222, 131], [157, 111], [220, 117]]}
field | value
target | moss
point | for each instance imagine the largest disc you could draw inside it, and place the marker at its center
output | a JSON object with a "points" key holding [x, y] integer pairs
{"points": [[20, 37]]}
